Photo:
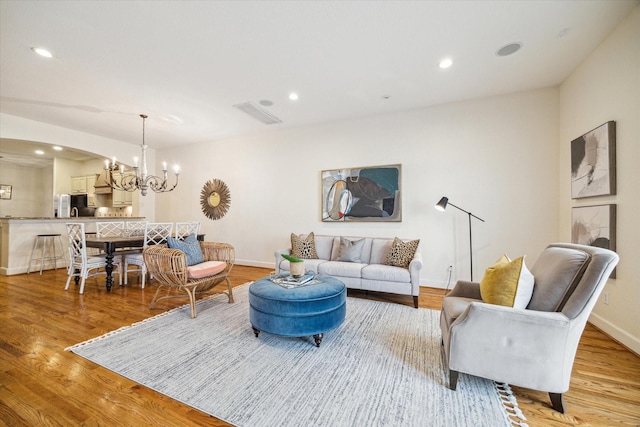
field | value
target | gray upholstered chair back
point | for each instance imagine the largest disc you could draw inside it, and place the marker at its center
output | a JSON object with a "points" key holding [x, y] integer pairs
{"points": [[569, 277]]}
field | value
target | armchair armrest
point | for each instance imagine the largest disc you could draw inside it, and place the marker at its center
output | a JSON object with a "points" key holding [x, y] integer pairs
{"points": [[504, 344], [165, 264], [466, 289]]}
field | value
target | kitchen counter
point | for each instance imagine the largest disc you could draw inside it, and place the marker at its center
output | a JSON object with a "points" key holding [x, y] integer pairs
{"points": [[17, 235]]}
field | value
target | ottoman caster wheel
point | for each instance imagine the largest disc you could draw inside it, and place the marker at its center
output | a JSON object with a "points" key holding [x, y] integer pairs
{"points": [[256, 331], [317, 338]]}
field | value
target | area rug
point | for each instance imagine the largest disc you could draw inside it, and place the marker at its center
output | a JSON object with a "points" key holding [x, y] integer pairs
{"points": [[381, 367]]}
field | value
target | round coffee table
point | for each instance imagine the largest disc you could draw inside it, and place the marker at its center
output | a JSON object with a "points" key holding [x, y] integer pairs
{"points": [[308, 310]]}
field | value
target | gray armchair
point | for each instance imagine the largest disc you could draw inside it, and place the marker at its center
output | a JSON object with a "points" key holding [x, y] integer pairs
{"points": [[533, 347]]}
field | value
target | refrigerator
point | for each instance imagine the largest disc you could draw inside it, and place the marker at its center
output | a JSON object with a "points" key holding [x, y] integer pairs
{"points": [[62, 205]]}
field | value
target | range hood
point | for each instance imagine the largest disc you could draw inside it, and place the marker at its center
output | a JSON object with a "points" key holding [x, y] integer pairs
{"points": [[101, 186]]}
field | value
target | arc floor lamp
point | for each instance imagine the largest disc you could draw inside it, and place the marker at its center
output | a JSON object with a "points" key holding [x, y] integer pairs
{"points": [[441, 206]]}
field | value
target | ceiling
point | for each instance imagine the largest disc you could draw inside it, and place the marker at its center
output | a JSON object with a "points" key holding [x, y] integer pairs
{"points": [[186, 64]]}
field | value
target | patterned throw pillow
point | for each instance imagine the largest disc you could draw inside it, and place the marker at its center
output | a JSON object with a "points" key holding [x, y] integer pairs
{"points": [[402, 253], [190, 246], [303, 248], [507, 283]]}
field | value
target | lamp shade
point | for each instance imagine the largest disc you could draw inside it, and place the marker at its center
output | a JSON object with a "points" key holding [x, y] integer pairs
{"points": [[442, 204]]}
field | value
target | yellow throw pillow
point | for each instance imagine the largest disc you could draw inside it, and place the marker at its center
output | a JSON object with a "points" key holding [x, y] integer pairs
{"points": [[507, 283]]}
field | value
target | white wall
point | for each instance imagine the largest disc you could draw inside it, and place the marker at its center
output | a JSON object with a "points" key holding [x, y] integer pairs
{"points": [[495, 157], [32, 190], [607, 87]]}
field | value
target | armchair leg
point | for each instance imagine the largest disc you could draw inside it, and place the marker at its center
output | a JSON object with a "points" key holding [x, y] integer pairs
{"points": [[556, 402], [453, 379], [415, 301], [229, 290]]}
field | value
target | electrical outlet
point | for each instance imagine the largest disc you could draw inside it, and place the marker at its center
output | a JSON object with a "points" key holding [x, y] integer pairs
{"points": [[606, 298], [450, 269]]}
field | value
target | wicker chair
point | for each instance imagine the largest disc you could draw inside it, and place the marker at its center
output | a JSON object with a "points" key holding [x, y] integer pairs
{"points": [[169, 268]]}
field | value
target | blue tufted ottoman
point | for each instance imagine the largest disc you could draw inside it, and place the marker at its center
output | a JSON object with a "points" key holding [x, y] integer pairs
{"points": [[299, 312]]}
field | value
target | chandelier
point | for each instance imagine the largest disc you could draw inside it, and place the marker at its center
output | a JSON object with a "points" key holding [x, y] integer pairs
{"points": [[138, 179]]}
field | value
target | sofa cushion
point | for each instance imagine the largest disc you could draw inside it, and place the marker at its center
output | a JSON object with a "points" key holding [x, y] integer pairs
{"points": [[324, 246], [379, 250], [386, 272], [557, 272], [341, 269], [205, 269], [401, 253], [507, 283], [303, 248], [309, 265], [350, 250], [190, 246]]}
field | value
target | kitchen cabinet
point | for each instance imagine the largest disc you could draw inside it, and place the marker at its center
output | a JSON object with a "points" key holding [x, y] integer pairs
{"points": [[122, 198], [78, 185], [85, 185], [91, 192]]}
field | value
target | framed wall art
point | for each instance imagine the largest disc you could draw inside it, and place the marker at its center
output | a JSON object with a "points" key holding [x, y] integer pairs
{"points": [[593, 162], [369, 193], [594, 226], [5, 191]]}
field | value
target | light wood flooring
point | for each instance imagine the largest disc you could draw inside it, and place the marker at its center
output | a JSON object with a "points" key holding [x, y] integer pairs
{"points": [[43, 385]]}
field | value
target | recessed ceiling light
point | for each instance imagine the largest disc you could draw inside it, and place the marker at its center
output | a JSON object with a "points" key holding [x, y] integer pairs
{"points": [[39, 152], [265, 103], [293, 96], [509, 49], [445, 63], [42, 52], [57, 148]]}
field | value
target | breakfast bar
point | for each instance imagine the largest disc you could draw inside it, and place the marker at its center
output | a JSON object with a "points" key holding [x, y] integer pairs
{"points": [[17, 235]]}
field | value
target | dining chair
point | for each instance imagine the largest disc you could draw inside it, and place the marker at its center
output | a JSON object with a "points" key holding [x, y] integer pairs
{"points": [[134, 228], [184, 229], [80, 264], [111, 229], [154, 233]]}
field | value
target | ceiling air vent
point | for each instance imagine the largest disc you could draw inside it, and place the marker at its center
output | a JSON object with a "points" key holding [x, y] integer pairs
{"points": [[257, 113]]}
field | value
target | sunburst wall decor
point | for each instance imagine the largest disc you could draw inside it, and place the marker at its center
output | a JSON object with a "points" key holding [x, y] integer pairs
{"points": [[215, 199]]}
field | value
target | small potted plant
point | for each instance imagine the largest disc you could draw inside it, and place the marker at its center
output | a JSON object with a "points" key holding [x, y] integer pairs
{"points": [[296, 265]]}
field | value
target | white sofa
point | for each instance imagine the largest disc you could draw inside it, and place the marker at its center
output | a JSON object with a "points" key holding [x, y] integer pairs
{"points": [[369, 274]]}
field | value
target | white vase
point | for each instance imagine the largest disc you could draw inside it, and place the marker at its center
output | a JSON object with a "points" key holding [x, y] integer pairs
{"points": [[296, 268]]}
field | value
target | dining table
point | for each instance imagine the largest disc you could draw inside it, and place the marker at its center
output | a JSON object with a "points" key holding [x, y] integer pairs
{"points": [[110, 246]]}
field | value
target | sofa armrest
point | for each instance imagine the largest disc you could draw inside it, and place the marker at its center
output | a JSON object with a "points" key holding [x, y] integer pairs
{"points": [[278, 255], [414, 273], [502, 343]]}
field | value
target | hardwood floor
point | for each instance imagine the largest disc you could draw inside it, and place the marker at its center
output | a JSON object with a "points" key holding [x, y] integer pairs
{"points": [[41, 384]]}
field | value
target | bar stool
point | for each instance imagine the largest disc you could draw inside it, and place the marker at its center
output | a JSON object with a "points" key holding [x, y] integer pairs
{"points": [[41, 243]]}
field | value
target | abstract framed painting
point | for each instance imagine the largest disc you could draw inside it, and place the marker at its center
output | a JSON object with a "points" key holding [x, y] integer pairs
{"points": [[593, 162], [370, 193], [594, 226]]}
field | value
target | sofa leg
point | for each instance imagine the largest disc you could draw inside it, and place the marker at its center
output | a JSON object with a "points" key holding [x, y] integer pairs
{"points": [[453, 379], [556, 402], [415, 301]]}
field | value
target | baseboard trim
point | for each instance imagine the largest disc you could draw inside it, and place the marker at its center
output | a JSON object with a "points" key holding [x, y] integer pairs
{"points": [[621, 336], [249, 263]]}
